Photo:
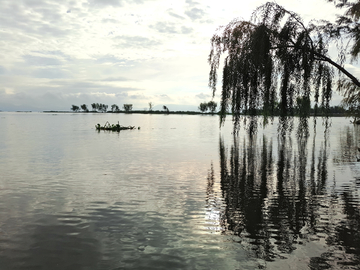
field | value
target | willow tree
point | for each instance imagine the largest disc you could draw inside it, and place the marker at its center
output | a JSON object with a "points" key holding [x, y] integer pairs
{"points": [[274, 59]]}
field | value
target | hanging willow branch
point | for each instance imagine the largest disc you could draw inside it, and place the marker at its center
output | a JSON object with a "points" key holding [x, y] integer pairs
{"points": [[273, 64]]}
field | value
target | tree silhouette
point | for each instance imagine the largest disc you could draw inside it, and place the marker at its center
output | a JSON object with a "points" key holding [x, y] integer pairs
{"points": [[212, 106], [75, 108], [166, 109], [84, 108], [276, 53], [203, 107], [114, 108], [127, 107]]}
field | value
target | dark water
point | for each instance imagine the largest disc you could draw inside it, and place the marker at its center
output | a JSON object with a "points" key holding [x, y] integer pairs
{"points": [[177, 194]]}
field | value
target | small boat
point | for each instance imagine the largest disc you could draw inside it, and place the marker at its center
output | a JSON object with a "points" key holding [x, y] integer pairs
{"points": [[113, 127]]}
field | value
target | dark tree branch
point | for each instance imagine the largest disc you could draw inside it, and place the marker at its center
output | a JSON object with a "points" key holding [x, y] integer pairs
{"points": [[343, 70], [322, 57]]}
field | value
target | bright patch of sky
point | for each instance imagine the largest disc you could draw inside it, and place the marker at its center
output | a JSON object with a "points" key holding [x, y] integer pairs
{"points": [[58, 53]]}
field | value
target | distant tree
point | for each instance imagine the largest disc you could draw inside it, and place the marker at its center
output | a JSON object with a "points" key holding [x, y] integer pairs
{"points": [[93, 105], [75, 108], [127, 107], [151, 105], [203, 107], [101, 107], [84, 108], [105, 107], [166, 108], [114, 108], [212, 106]]}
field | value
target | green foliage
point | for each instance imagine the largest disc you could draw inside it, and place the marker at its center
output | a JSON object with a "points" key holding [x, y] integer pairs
{"points": [[348, 25], [203, 107], [115, 108], [275, 59], [351, 100], [99, 107], [75, 108], [212, 106], [151, 105], [166, 109], [104, 107], [84, 108], [127, 107]]}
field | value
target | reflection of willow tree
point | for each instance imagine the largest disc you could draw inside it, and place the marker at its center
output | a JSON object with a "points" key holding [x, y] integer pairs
{"points": [[244, 190], [345, 236], [348, 231], [277, 200], [348, 144], [273, 205]]}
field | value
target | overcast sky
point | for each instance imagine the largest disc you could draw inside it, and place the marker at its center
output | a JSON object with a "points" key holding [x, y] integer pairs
{"points": [[58, 53]]}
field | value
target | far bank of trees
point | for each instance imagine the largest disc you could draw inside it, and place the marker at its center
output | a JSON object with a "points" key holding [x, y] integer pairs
{"points": [[210, 107], [205, 106], [97, 107], [103, 108]]}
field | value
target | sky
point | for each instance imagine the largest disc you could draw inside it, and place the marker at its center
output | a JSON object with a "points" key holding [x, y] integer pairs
{"points": [[55, 54]]}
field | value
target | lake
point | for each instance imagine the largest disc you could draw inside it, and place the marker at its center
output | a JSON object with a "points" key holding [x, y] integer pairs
{"points": [[178, 193]]}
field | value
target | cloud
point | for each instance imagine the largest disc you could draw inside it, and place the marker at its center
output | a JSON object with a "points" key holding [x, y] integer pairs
{"points": [[191, 3], [55, 52], [50, 73], [165, 27], [105, 59], [40, 18], [175, 15], [138, 97], [171, 28], [104, 3], [195, 13], [41, 61], [186, 30], [113, 3], [98, 52], [136, 42], [70, 86], [2, 70], [110, 21], [164, 98], [203, 96], [115, 79]]}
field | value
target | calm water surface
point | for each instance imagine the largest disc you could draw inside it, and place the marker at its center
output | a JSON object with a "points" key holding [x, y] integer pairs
{"points": [[177, 194]]}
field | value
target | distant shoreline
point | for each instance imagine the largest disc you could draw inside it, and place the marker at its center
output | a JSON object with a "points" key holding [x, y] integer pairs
{"points": [[139, 112], [175, 112], [195, 113]]}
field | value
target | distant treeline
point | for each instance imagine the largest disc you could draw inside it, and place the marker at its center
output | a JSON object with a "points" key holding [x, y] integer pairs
{"points": [[300, 110], [103, 108]]}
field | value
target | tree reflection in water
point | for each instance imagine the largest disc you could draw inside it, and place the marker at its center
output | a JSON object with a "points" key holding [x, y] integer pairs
{"points": [[279, 197]]}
